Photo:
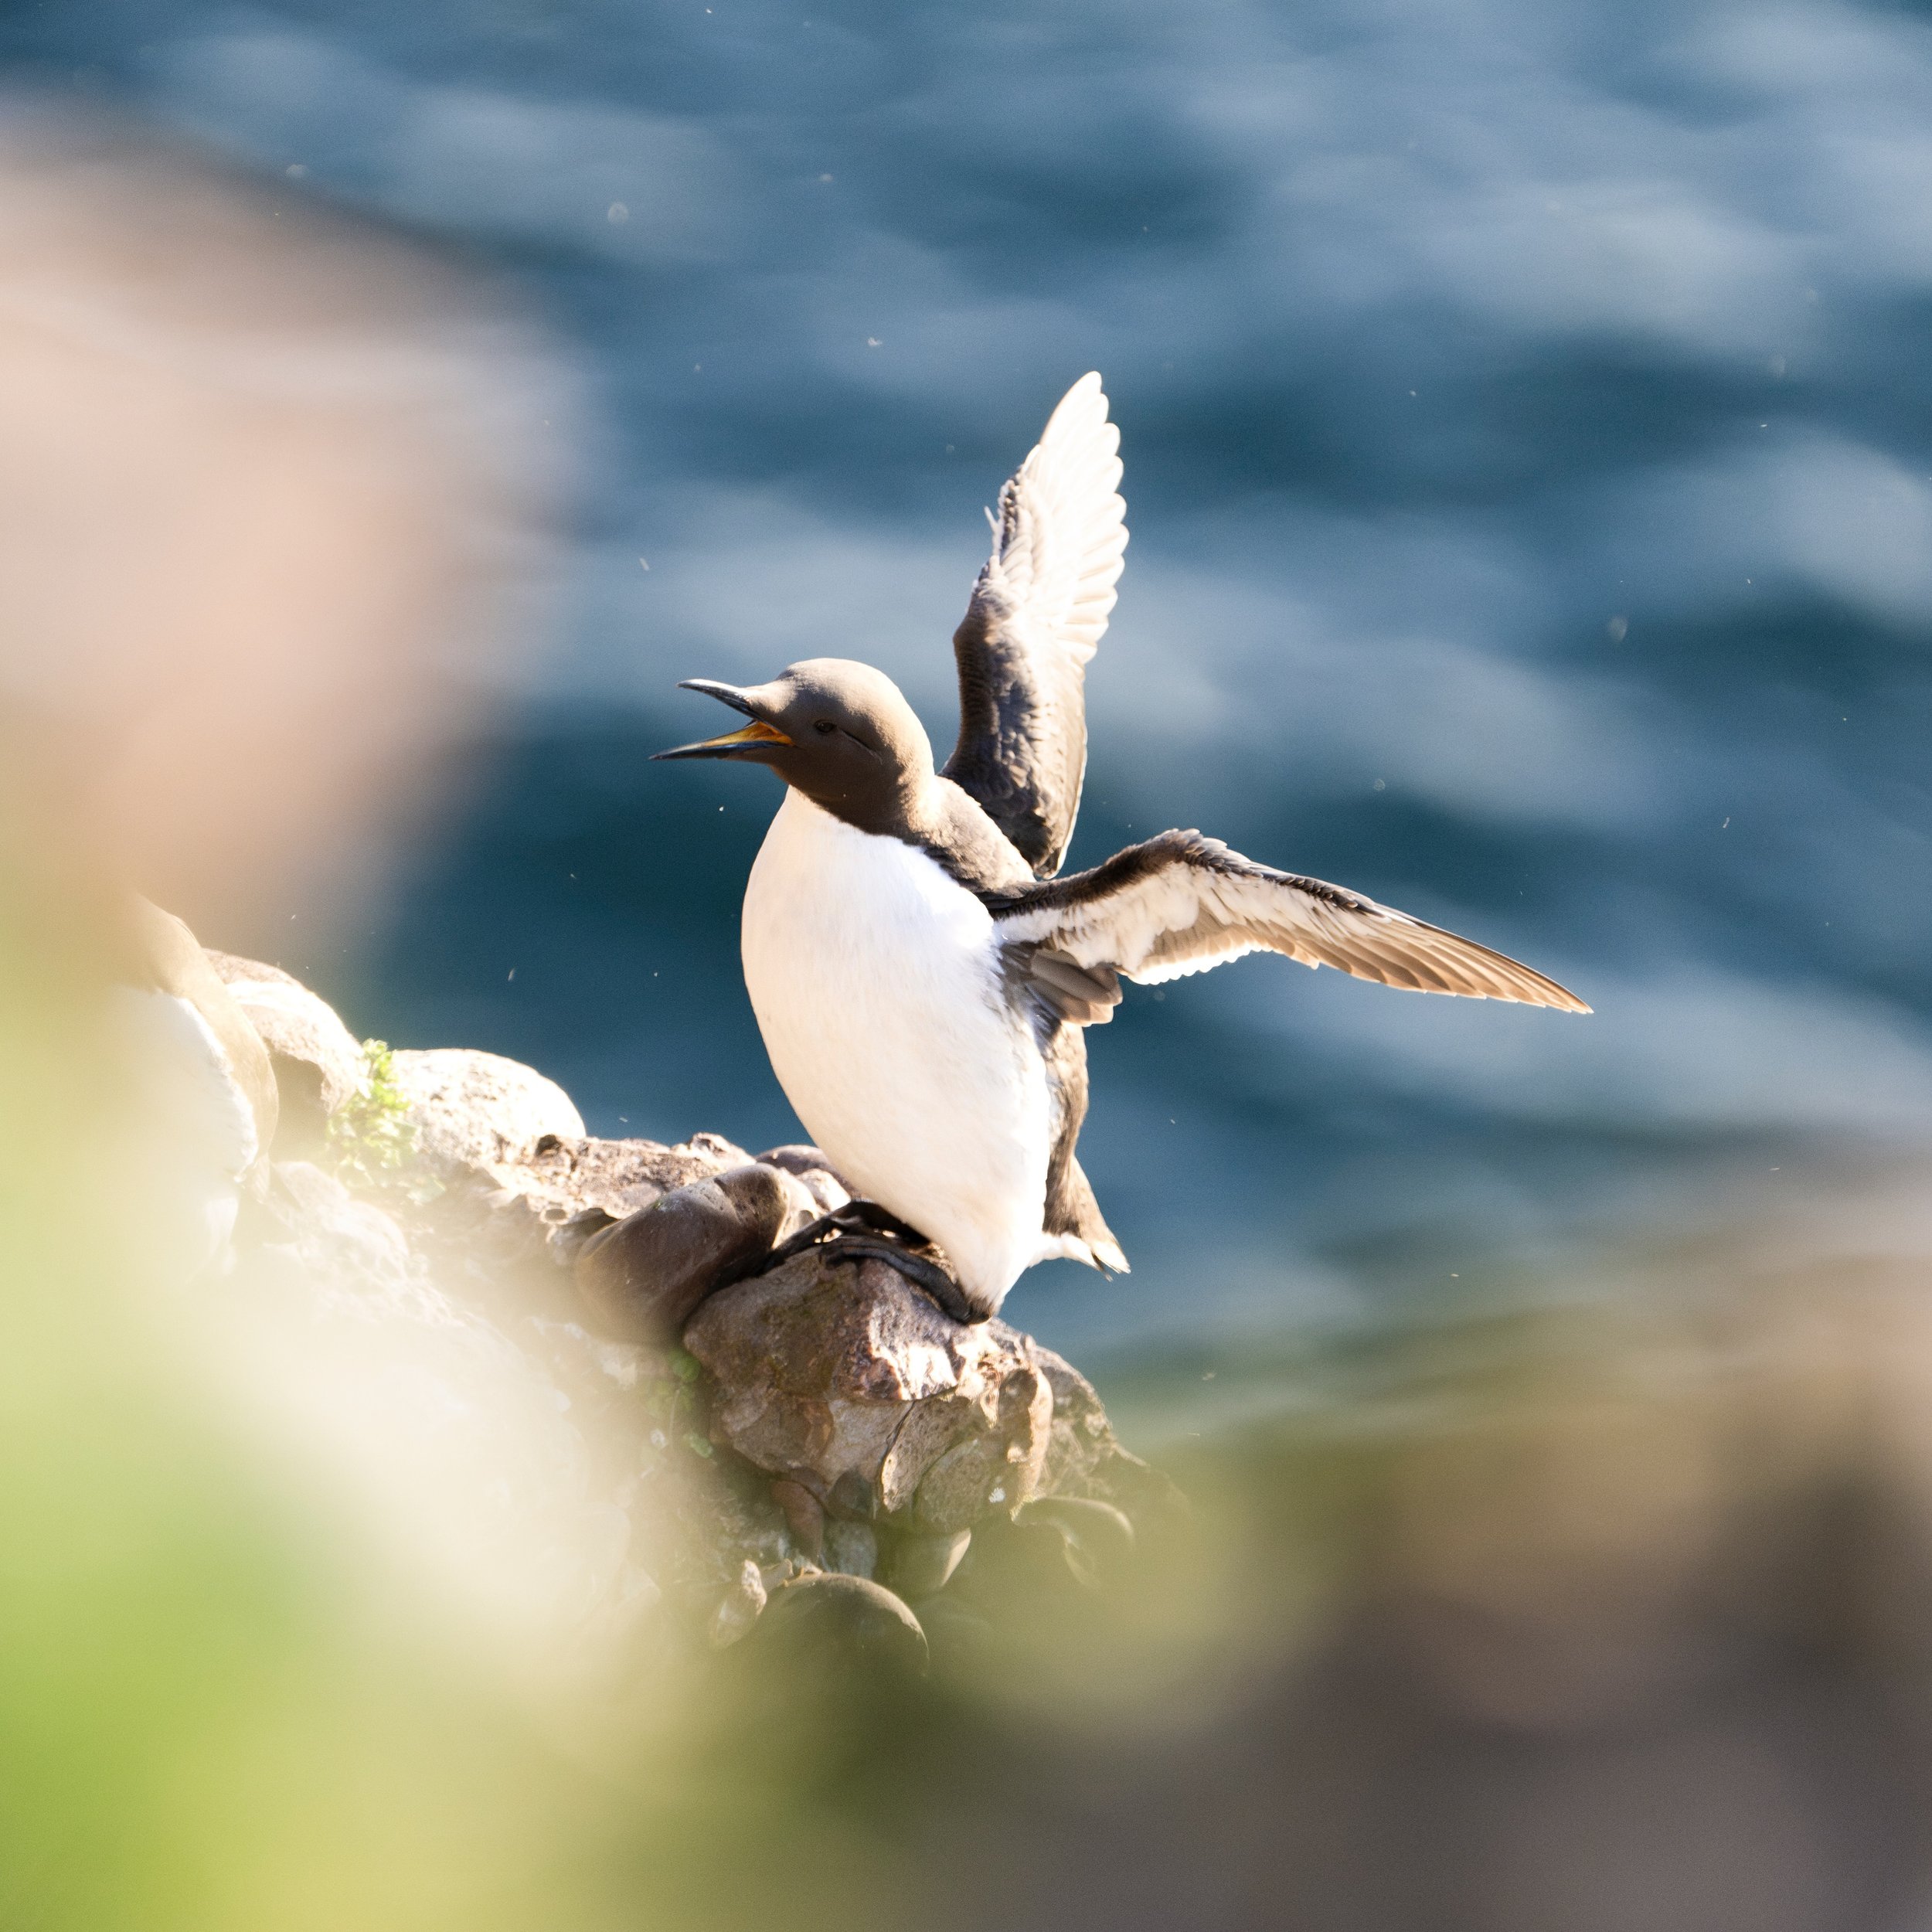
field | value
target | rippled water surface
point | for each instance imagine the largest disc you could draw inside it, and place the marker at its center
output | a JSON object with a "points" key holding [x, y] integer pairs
{"points": [[1524, 409]]}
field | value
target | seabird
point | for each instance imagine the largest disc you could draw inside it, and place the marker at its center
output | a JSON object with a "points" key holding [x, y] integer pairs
{"points": [[208, 1078], [922, 973]]}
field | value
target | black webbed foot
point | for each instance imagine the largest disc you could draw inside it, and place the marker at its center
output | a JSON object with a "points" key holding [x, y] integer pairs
{"points": [[870, 1214], [848, 1220], [850, 1249], [864, 1231]]}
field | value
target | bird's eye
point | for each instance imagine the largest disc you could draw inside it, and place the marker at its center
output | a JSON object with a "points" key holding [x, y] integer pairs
{"points": [[825, 727]]}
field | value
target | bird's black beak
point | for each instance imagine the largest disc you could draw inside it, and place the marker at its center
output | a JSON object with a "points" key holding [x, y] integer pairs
{"points": [[751, 739]]}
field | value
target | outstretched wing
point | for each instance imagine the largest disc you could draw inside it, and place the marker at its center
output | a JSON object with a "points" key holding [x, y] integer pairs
{"points": [[1181, 903], [1037, 612]]}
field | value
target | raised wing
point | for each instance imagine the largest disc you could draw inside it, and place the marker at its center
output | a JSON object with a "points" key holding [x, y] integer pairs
{"points": [[1037, 612], [1181, 903]]}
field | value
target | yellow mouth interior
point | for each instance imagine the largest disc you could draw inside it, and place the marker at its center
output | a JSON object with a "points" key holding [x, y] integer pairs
{"points": [[757, 732]]}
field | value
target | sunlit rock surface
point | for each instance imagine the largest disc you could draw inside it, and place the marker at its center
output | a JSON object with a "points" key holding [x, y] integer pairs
{"points": [[319, 1063], [697, 1439], [851, 1383], [477, 1112]]}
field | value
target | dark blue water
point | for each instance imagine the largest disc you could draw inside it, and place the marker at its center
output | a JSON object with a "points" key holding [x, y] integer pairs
{"points": [[1527, 411]]}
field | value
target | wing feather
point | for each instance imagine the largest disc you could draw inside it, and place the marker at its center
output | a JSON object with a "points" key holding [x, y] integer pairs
{"points": [[1036, 614], [1181, 903]]}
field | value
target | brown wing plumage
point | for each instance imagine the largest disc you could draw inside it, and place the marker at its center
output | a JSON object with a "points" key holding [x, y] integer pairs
{"points": [[1181, 903], [1071, 1207]]}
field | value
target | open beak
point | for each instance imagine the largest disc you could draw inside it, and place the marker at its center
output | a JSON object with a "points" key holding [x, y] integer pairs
{"points": [[734, 744]]}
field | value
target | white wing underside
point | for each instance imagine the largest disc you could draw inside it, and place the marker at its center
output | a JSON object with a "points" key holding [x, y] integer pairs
{"points": [[1038, 609], [1181, 903], [1061, 531]]}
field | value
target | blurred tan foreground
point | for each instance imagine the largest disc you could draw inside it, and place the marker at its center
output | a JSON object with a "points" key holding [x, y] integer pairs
{"points": [[1616, 1617]]}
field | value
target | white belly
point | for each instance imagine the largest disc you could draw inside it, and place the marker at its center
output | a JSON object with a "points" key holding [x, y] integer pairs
{"points": [[876, 985]]}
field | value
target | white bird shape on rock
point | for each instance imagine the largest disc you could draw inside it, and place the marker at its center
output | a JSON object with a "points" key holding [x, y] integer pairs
{"points": [[204, 1080], [920, 973]]}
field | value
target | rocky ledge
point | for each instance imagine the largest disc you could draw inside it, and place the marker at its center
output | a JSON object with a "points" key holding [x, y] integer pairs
{"points": [[806, 1451]]}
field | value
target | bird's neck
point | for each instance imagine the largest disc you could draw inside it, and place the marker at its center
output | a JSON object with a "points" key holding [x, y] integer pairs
{"points": [[933, 815]]}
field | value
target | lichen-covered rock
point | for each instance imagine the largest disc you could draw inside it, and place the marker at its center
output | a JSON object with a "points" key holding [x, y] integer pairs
{"points": [[643, 1276], [318, 1062], [851, 1383]]}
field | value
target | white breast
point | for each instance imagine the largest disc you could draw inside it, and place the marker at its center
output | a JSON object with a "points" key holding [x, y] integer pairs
{"points": [[874, 979], [207, 1136]]}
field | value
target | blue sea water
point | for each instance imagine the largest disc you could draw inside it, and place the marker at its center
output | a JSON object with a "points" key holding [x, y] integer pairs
{"points": [[1526, 415]]}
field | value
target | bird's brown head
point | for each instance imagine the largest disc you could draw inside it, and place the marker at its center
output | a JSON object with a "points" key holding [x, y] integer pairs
{"points": [[840, 732]]}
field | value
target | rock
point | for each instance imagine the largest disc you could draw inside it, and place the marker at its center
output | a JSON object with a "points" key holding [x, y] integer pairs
{"points": [[642, 1276], [446, 1429], [1099, 1538], [804, 1515], [568, 1189], [339, 1238], [478, 1113], [1012, 1565], [851, 1383], [919, 1566], [740, 1607], [565, 1175], [852, 1548], [826, 1186], [884, 1431], [512, 1179], [854, 1497], [832, 1618], [956, 1632], [1082, 1439], [319, 1063], [1084, 1457], [870, 1433]]}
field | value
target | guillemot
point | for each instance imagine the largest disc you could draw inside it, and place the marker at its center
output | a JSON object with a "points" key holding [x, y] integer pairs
{"points": [[205, 1079], [920, 973]]}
